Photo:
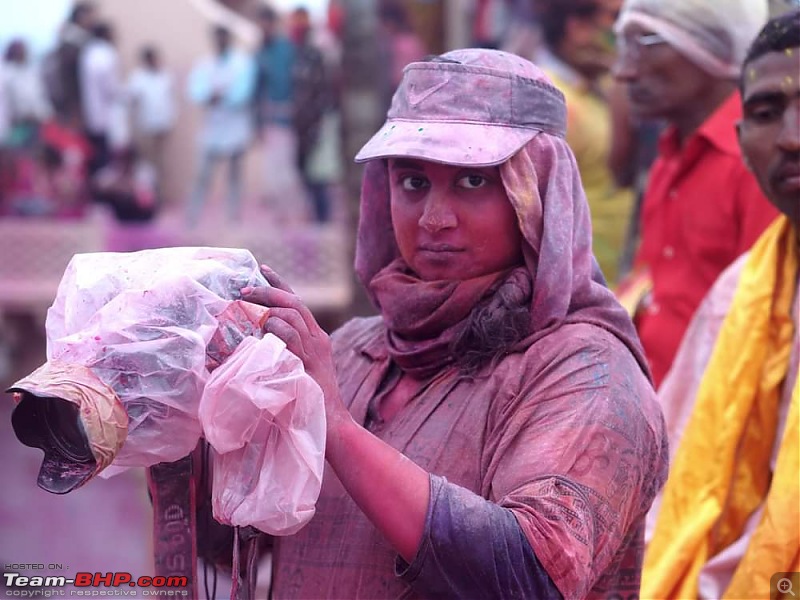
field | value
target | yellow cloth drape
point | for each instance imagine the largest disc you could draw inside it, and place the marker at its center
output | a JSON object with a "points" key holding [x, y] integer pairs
{"points": [[721, 473]]}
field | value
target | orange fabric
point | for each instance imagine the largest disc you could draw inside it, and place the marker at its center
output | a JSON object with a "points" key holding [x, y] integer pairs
{"points": [[707, 501]]}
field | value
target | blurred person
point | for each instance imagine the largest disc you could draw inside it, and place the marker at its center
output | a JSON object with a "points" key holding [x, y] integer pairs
{"points": [[62, 66], [102, 93], [49, 178], [335, 18], [311, 100], [493, 432], [129, 186], [490, 22], [43, 184], [23, 88], [731, 398], [634, 147], [274, 112], [577, 53], [399, 46], [222, 85], [274, 63], [680, 61], [151, 93]]}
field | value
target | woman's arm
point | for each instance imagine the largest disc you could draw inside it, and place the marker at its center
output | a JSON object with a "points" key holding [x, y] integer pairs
{"points": [[391, 490], [453, 542]]}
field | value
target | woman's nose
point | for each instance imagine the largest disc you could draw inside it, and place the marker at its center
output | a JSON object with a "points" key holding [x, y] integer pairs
{"points": [[437, 214]]}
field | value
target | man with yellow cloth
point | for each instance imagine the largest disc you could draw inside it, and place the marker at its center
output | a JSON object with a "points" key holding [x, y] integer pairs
{"points": [[728, 519]]}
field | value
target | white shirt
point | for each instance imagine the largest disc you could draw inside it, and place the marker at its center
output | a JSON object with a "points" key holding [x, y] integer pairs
{"points": [[227, 126], [24, 93], [100, 85], [4, 118], [678, 393], [151, 93]]}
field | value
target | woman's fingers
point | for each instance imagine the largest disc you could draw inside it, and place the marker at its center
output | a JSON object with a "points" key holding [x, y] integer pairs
{"points": [[275, 280], [287, 333], [256, 295], [273, 297], [292, 317]]}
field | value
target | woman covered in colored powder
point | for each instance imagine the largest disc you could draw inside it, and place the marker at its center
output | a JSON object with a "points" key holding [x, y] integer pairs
{"points": [[493, 432]]}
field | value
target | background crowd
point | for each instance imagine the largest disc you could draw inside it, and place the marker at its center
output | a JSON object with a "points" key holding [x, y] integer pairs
{"points": [[77, 128]]}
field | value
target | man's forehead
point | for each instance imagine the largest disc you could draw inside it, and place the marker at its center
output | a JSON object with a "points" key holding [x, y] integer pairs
{"points": [[775, 71]]}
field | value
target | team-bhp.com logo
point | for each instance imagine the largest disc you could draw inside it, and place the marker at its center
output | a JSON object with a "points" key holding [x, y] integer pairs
{"points": [[26, 586]]}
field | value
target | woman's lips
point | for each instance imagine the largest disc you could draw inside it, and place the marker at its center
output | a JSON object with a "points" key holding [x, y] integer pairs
{"points": [[439, 248]]}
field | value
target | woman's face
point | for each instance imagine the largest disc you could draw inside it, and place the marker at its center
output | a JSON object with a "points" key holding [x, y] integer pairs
{"points": [[452, 222]]}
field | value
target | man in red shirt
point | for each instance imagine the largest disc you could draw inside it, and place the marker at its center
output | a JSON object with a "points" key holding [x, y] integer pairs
{"points": [[702, 208]]}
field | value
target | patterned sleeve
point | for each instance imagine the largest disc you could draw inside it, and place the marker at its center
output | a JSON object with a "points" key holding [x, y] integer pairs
{"points": [[472, 548], [579, 456]]}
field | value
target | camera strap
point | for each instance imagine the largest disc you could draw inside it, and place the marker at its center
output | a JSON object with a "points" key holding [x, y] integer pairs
{"points": [[173, 491]]}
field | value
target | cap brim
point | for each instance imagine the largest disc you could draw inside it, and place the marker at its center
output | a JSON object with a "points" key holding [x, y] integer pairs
{"points": [[447, 142]]}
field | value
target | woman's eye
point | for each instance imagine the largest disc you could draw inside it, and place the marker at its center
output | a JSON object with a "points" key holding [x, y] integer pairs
{"points": [[413, 183], [472, 181]]}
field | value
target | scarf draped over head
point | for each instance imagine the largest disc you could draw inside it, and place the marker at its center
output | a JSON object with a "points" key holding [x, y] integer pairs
{"points": [[558, 283]]}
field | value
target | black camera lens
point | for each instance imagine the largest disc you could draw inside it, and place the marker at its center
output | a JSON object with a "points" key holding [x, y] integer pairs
{"points": [[54, 426]]}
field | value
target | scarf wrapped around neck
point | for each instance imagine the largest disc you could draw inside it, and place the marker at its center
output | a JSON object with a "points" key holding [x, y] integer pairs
{"points": [[425, 318], [558, 283]]}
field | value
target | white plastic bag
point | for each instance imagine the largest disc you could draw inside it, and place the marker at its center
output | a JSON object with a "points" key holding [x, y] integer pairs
{"points": [[264, 417]]}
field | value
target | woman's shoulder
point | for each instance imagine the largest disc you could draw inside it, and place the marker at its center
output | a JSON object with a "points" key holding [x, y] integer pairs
{"points": [[585, 374], [587, 364], [575, 342]]}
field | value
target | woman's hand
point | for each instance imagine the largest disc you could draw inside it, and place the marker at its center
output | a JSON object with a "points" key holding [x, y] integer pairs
{"points": [[291, 320], [392, 491]]}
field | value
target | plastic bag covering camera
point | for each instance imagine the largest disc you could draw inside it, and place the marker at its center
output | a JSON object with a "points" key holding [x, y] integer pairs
{"points": [[155, 350]]}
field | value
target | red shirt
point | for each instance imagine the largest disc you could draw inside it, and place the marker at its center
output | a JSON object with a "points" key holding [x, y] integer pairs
{"points": [[701, 210]]}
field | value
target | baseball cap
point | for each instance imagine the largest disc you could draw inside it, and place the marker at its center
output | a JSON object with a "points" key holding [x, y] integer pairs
{"points": [[473, 107]]}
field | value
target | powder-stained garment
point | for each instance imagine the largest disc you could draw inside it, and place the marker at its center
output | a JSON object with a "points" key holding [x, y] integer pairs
{"points": [[543, 465], [557, 436]]}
